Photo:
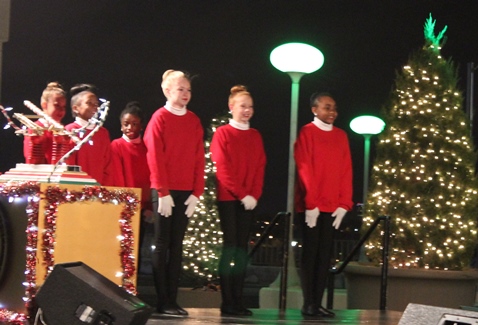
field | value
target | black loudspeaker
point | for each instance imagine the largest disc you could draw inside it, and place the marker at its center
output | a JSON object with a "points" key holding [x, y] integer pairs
{"points": [[416, 314], [13, 240], [74, 294]]}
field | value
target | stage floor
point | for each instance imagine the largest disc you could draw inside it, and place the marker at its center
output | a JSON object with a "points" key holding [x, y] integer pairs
{"points": [[272, 316]]}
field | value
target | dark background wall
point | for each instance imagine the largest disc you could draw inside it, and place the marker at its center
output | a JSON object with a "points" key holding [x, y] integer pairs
{"points": [[123, 47]]}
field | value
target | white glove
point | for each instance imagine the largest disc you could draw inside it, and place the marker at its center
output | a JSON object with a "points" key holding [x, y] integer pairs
{"points": [[249, 202], [165, 205], [311, 217], [191, 203], [339, 214]]}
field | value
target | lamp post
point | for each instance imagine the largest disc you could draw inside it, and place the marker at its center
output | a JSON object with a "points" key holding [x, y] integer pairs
{"points": [[295, 59], [367, 126]]}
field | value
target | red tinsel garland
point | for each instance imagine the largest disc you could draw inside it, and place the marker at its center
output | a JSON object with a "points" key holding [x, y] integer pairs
{"points": [[54, 196]]}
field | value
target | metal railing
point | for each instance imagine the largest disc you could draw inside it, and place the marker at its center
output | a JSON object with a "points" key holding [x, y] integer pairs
{"points": [[266, 232], [285, 257], [385, 257], [338, 268]]}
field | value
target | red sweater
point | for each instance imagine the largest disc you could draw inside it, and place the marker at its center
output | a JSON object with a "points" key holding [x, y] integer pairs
{"points": [[131, 167], [94, 157], [175, 152], [240, 162], [46, 143], [324, 168]]}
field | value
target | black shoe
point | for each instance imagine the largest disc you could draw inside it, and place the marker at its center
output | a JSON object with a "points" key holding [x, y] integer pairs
{"points": [[168, 309], [229, 311], [244, 311], [233, 311], [181, 311], [325, 312], [310, 310]]}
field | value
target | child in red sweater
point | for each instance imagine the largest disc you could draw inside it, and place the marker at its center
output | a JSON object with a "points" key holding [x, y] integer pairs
{"points": [[238, 153], [323, 196], [129, 154], [94, 157], [174, 139], [53, 103], [129, 161]]}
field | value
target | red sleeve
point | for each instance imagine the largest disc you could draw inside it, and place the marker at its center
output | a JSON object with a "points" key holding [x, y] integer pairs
{"points": [[199, 181], [304, 163], [260, 170], [118, 170], [44, 141], [27, 148], [108, 178], [222, 157], [153, 140], [346, 188]]}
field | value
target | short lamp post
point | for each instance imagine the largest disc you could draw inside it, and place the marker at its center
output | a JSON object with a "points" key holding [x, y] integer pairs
{"points": [[295, 59], [367, 126]]}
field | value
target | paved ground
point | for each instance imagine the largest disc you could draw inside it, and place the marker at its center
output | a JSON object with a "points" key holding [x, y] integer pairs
{"points": [[272, 316]]}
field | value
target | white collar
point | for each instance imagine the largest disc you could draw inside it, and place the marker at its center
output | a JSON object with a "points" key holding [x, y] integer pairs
{"points": [[321, 125], [239, 125], [44, 122], [176, 111], [134, 141], [84, 123]]}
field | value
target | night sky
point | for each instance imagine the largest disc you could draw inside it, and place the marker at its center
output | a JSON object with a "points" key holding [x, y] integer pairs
{"points": [[123, 47]]}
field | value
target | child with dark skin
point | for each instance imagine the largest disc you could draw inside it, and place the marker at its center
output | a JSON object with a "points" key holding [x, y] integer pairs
{"points": [[129, 161], [323, 196]]}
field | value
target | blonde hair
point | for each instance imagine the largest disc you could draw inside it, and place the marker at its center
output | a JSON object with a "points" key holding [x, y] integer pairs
{"points": [[236, 91], [169, 76], [52, 88]]}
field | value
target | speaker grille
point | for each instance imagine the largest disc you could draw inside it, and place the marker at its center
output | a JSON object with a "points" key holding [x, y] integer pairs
{"points": [[74, 293]]}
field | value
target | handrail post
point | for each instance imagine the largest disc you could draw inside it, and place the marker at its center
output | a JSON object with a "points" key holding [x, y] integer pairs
{"points": [[266, 233], [385, 257], [285, 263]]}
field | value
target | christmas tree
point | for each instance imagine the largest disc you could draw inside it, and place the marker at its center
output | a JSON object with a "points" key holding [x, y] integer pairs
{"points": [[203, 239], [423, 176]]}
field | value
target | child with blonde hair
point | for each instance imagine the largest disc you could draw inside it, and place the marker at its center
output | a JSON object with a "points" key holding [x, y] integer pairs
{"points": [[174, 139], [38, 149]]}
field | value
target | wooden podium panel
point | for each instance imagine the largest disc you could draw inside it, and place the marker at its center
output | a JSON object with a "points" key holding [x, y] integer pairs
{"points": [[88, 231]]}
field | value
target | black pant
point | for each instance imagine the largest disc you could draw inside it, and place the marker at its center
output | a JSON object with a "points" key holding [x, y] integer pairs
{"points": [[236, 223], [168, 241], [316, 257]]}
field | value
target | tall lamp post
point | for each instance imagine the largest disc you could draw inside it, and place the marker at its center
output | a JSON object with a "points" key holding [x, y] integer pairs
{"points": [[367, 126], [295, 59]]}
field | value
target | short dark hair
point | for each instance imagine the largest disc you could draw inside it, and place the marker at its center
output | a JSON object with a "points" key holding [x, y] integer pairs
{"points": [[317, 96], [132, 108], [79, 88]]}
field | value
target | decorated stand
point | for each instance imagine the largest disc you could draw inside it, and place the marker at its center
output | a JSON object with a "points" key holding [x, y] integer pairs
{"points": [[64, 223], [51, 214]]}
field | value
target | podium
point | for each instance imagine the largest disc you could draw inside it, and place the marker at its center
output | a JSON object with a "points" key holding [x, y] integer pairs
{"points": [[47, 224], [88, 231]]}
